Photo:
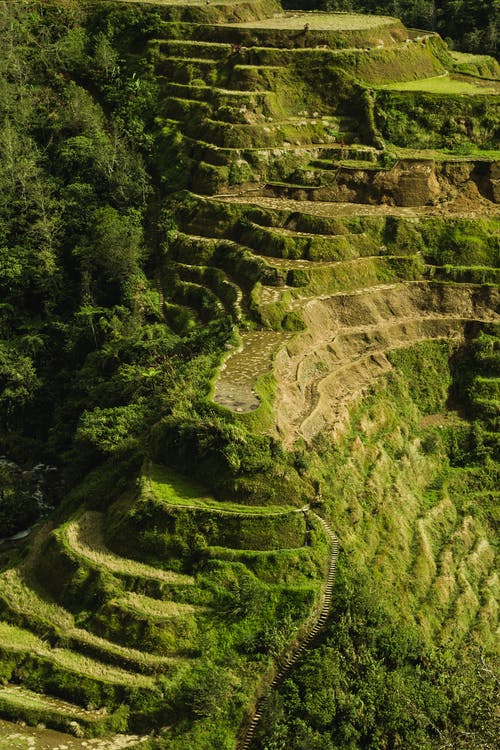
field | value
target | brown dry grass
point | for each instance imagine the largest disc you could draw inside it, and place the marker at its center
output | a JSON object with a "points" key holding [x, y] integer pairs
{"points": [[328, 367], [320, 22], [84, 536]]}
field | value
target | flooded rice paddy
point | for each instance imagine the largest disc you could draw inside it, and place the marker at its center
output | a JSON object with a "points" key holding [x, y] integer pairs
{"points": [[234, 387]]}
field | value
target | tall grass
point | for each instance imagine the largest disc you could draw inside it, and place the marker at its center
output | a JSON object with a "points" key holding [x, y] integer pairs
{"points": [[84, 537]]}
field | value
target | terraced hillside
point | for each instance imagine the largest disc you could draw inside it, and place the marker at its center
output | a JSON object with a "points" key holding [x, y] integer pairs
{"points": [[331, 206], [107, 630], [315, 205]]}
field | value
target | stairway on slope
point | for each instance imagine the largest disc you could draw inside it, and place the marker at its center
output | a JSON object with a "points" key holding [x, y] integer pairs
{"points": [[247, 119]]}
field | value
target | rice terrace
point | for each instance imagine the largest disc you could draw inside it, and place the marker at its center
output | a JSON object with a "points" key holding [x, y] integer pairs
{"points": [[250, 375]]}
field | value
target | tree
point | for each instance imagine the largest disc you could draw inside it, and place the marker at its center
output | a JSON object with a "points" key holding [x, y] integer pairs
{"points": [[115, 246], [18, 379]]}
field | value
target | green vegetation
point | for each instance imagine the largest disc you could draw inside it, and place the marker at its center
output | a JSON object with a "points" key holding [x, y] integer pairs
{"points": [[439, 503], [249, 265], [166, 485], [84, 537], [472, 26], [443, 84], [346, 21], [422, 119], [15, 701]]}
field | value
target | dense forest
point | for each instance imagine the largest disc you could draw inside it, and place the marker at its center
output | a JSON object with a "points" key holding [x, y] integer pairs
{"points": [[77, 324], [108, 357]]}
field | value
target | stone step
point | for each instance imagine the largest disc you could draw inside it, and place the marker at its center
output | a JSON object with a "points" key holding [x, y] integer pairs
{"points": [[316, 628]]}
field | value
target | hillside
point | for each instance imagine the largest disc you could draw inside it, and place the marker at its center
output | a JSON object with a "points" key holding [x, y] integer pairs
{"points": [[250, 266]]}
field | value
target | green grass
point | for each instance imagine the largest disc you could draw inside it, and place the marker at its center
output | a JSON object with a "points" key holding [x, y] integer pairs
{"points": [[444, 84], [22, 598], [140, 660], [17, 639], [277, 567], [174, 489], [477, 154], [23, 601], [320, 22], [186, 2], [465, 274], [155, 608], [357, 164], [14, 640], [483, 66], [468, 57], [23, 698], [84, 536], [430, 540]]}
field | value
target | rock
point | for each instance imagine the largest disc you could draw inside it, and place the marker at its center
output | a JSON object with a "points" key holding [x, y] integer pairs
{"points": [[495, 181], [409, 184], [75, 729]]}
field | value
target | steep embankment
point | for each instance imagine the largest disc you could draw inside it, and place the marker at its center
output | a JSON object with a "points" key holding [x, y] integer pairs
{"points": [[297, 650], [348, 336], [414, 509]]}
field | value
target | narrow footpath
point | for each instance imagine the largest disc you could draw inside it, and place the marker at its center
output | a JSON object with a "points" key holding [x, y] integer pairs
{"points": [[247, 730]]}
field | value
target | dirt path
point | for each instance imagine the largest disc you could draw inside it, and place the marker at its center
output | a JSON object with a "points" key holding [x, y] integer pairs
{"points": [[460, 208], [247, 730]]}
